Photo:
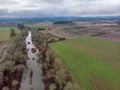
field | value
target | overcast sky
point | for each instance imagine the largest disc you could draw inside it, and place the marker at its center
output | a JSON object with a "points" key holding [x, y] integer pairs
{"points": [[43, 8]]}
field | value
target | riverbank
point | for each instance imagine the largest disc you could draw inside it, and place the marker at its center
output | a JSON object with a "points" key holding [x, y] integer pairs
{"points": [[55, 75], [12, 67], [3, 49]]}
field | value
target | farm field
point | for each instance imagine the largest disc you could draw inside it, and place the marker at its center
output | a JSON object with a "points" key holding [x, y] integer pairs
{"points": [[5, 31], [93, 63], [38, 27]]}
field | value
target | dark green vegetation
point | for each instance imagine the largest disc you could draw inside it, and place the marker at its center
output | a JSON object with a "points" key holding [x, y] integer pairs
{"points": [[12, 33], [21, 26], [63, 22], [12, 67], [5, 32], [94, 63], [39, 19], [38, 27]]}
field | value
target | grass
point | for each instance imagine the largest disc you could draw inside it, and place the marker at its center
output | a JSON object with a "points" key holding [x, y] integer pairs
{"points": [[94, 63], [5, 33]]}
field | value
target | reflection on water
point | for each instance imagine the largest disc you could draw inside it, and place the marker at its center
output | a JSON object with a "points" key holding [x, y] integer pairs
{"points": [[32, 79]]}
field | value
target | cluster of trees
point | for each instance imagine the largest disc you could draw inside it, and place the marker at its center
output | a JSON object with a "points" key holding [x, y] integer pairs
{"points": [[12, 32], [21, 26], [11, 69], [118, 22], [39, 28], [55, 76], [63, 22]]}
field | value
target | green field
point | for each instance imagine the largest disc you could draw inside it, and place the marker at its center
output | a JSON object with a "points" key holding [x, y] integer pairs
{"points": [[93, 63], [5, 33]]}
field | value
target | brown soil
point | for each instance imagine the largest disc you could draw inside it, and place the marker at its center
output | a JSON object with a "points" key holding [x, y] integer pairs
{"points": [[61, 33], [101, 84], [113, 36]]}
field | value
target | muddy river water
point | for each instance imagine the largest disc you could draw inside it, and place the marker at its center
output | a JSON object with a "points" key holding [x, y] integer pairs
{"points": [[32, 78]]}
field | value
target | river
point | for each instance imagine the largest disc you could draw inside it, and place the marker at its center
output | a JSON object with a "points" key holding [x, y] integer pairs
{"points": [[32, 78]]}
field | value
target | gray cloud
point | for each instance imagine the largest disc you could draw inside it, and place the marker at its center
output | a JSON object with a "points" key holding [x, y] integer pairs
{"points": [[3, 12], [40, 8], [53, 1]]}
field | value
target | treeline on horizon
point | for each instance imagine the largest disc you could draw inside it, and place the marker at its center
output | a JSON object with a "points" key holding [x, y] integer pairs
{"points": [[52, 19], [62, 22]]}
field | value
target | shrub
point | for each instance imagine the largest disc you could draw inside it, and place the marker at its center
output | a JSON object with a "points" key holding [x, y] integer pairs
{"points": [[12, 33], [52, 87]]}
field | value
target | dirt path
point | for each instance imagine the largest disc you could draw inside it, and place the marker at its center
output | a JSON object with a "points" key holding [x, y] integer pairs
{"points": [[3, 50]]}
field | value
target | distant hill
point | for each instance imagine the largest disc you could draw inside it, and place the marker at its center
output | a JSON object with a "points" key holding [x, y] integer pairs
{"points": [[40, 19]]}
